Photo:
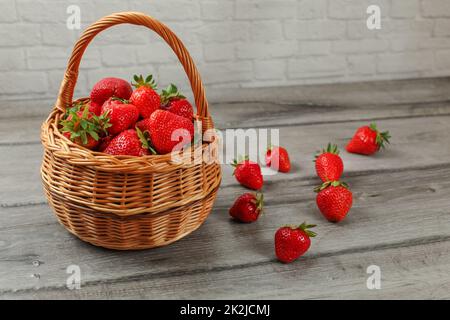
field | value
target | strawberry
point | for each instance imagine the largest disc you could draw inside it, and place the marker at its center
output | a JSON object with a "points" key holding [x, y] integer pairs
{"points": [[103, 143], [248, 174], [167, 130], [334, 200], [291, 242], [368, 140], [173, 101], [130, 142], [110, 87], [278, 159], [84, 127], [329, 165], [247, 207], [121, 114], [144, 97], [95, 108]]}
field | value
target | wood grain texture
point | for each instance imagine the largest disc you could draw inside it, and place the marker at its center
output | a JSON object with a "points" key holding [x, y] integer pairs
{"points": [[20, 171], [400, 219], [390, 209]]}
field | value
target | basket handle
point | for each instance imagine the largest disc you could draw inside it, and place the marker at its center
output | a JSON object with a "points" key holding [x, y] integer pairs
{"points": [[66, 91]]}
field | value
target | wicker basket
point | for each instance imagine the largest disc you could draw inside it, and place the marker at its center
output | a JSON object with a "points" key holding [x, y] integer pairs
{"points": [[124, 202]]}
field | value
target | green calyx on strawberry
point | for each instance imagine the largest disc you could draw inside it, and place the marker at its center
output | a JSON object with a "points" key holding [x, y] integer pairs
{"points": [[382, 137], [84, 127], [331, 148], [327, 184], [145, 97], [173, 101], [367, 140], [141, 82], [144, 137], [248, 173], [305, 228], [170, 93]]}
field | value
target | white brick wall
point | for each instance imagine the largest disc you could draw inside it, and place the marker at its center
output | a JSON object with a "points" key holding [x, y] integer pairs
{"points": [[235, 43]]}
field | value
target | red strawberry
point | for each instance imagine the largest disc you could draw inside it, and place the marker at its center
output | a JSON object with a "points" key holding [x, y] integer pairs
{"points": [[95, 108], [110, 87], [144, 97], [293, 242], [248, 174], [334, 200], [121, 114], [368, 140], [129, 142], [167, 131], [84, 127], [172, 100], [247, 207], [103, 143], [144, 125], [278, 159], [329, 165]]}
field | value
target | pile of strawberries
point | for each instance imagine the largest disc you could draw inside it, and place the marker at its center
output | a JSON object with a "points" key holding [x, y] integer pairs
{"points": [[118, 120], [334, 199]]}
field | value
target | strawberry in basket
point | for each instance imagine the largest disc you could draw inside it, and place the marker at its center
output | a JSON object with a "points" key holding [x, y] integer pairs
{"points": [[84, 127], [130, 142], [144, 97], [172, 100], [168, 131], [110, 87], [122, 115]]}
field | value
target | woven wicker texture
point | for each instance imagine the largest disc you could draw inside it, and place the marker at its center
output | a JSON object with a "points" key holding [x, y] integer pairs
{"points": [[124, 202]]}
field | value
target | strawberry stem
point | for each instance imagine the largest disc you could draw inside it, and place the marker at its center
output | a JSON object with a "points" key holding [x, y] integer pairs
{"points": [[170, 93], [382, 137], [331, 148], [141, 82], [305, 227], [327, 184]]}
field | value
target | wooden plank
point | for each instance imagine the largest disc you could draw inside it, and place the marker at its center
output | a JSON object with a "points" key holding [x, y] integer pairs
{"points": [[391, 209], [26, 130], [20, 170], [338, 94], [411, 272]]}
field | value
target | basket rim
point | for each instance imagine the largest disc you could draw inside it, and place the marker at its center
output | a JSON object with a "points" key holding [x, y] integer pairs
{"points": [[52, 139]]}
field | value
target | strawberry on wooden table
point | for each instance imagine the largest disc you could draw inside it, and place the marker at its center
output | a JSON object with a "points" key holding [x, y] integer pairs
{"points": [[328, 163], [277, 158], [130, 142], [168, 131], [84, 127], [145, 97], [110, 87], [334, 200], [248, 173], [121, 114], [172, 100], [247, 207], [368, 140], [291, 242]]}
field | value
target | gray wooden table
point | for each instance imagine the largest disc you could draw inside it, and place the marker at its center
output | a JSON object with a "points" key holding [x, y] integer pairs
{"points": [[400, 220]]}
